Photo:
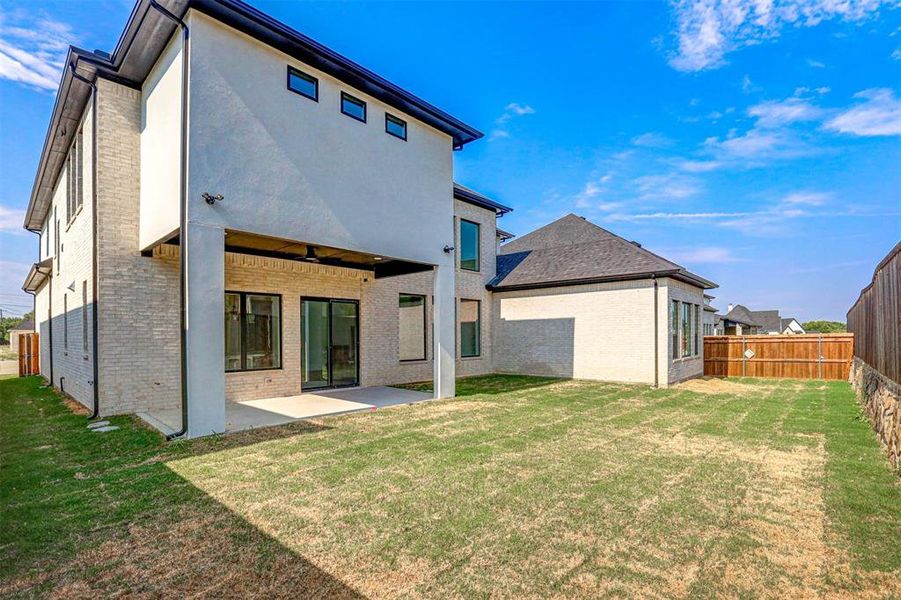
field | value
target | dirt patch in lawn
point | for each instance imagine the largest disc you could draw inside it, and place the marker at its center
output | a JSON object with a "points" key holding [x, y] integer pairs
{"points": [[713, 385]]}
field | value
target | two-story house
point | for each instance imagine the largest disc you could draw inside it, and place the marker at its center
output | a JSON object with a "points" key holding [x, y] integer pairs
{"points": [[230, 211]]}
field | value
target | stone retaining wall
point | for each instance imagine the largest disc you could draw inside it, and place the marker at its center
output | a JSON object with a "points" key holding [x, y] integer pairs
{"points": [[881, 399]]}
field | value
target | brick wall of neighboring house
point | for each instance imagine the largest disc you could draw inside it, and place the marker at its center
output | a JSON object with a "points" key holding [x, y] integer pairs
{"points": [[597, 331], [72, 352], [139, 322], [691, 366]]}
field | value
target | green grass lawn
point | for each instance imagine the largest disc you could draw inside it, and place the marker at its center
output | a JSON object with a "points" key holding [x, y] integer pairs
{"points": [[519, 487]]}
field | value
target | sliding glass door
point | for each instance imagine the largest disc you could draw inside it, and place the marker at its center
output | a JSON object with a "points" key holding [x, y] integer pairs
{"points": [[330, 336]]}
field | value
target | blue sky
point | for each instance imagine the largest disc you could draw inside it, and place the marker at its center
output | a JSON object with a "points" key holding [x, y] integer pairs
{"points": [[756, 143]]}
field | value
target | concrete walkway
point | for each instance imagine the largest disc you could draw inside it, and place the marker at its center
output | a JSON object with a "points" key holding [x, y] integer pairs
{"points": [[268, 412]]}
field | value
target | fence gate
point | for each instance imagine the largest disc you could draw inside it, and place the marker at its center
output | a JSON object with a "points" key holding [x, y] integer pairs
{"points": [[804, 356], [29, 351]]}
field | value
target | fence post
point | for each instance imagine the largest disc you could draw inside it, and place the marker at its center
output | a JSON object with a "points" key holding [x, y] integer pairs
{"points": [[820, 356], [743, 357]]}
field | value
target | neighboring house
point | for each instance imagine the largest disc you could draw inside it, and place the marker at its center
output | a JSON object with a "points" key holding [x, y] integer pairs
{"points": [[574, 300], [292, 224], [737, 321], [742, 321], [26, 326], [708, 317]]}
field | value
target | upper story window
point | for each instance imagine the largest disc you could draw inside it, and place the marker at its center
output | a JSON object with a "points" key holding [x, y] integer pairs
{"points": [[74, 179], [303, 84], [353, 107], [469, 245], [396, 127]]}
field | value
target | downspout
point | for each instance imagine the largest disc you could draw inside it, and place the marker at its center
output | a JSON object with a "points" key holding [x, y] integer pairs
{"points": [[656, 338], [182, 216], [95, 412]]}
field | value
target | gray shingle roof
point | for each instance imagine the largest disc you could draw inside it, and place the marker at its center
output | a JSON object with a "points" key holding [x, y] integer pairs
{"points": [[740, 314], [572, 250], [769, 320]]}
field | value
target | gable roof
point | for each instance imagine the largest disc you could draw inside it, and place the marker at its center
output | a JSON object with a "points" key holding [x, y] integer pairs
{"points": [[788, 321], [769, 320], [740, 314], [572, 251], [24, 325], [142, 41]]}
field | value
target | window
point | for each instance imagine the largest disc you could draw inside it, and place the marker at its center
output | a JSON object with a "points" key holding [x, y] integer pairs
{"points": [[353, 107], [74, 181], [56, 238], [686, 329], [412, 327], [696, 328], [674, 322], [303, 84], [470, 328], [396, 127], [65, 321], [84, 316], [252, 331], [47, 239], [469, 245]]}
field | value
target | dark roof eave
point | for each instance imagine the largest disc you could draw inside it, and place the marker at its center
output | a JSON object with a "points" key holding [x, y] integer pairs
{"points": [[37, 275], [570, 282], [476, 199]]}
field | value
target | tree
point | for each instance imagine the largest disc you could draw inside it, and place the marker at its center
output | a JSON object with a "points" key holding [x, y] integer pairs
{"points": [[7, 323], [824, 327]]}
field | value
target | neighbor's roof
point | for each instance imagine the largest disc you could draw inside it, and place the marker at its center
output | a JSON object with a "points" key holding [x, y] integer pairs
{"points": [[740, 314], [769, 320], [25, 325], [572, 251], [143, 40], [466, 194], [787, 321]]}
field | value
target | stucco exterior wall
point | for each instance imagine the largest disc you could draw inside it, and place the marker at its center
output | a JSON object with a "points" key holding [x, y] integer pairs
{"points": [[299, 169], [72, 352], [597, 331]]}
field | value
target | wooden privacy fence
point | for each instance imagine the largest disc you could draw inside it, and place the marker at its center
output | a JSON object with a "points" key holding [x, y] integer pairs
{"points": [[876, 318], [29, 354], [805, 356]]}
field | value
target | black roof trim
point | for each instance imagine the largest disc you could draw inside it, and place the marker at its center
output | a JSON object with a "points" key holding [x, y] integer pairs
{"points": [[675, 274], [472, 197]]}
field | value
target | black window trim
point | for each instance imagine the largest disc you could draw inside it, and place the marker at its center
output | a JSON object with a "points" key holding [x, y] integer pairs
{"points": [[305, 76], [425, 329], [478, 328], [478, 246], [353, 100], [281, 358], [397, 121]]}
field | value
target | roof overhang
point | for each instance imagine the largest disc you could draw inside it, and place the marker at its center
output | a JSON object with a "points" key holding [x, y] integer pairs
{"points": [[675, 274], [476, 199], [38, 275], [504, 235], [142, 41]]}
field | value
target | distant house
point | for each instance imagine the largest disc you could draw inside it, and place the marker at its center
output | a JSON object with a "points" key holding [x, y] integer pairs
{"points": [[708, 319], [742, 321], [26, 326]]}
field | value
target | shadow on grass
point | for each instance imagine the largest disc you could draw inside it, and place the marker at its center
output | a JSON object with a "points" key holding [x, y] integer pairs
{"points": [[489, 384], [102, 514]]}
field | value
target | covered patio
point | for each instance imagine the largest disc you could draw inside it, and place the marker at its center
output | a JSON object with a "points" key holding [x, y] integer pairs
{"points": [[269, 412]]}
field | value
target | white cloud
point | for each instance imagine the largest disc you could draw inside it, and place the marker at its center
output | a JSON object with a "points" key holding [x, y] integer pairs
{"points": [[775, 113], [879, 114], [33, 53], [11, 219], [815, 64], [699, 166], [707, 30], [652, 140], [667, 187], [511, 111], [807, 198], [896, 54], [701, 255]]}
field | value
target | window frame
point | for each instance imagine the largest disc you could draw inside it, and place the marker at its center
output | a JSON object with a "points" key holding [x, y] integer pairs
{"points": [[242, 297], [696, 322], [685, 324], [353, 100], [389, 118], [675, 313], [478, 246], [425, 324], [305, 76], [75, 177], [478, 322]]}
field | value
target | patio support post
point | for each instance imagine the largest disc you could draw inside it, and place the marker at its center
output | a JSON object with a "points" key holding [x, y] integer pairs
{"points": [[205, 338], [444, 340]]}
